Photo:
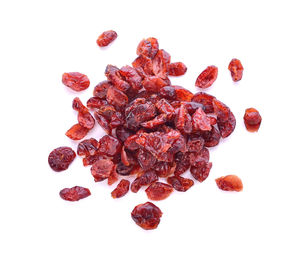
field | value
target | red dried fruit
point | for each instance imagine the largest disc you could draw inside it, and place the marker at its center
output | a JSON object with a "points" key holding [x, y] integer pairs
{"points": [[109, 146], [102, 169], [86, 120], [148, 47], [189, 105], [206, 100], [91, 159], [113, 74], [143, 65], [177, 69], [160, 63], [100, 90], [121, 189], [200, 121], [144, 179], [95, 102], [182, 163], [106, 38], [229, 183], [164, 107], [179, 183], [159, 191], [236, 69], [164, 169], [195, 144], [145, 159], [183, 94], [132, 77], [61, 158], [130, 143], [77, 132], [207, 77], [76, 81], [183, 120], [199, 156], [78, 106], [252, 119], [158, 120], [201, 171], [102, 121], [88, 147], [122, 133], [123, 169], [115, 97], [168, 92], [146, 215], [75, 193], [153, 84], [113, 177], [211, 138]]}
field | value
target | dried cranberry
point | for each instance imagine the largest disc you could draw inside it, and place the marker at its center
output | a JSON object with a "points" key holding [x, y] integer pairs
{"points": [[207, 77], [77, 132], [159, 191], [229, 183], [148, 47], [146, 215], [61, 158], [252, 119], [206, 100], [100, 90], [75, 193], [88, 147], [95, 102], [102, 169], [144, 179], [236, 69], [177, 69], [201, 170], [76, 81], [106, 38], [121, 189], [109, 146], [179, 183]]}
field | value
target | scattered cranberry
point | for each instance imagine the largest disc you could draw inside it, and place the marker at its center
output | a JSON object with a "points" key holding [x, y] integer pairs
{"points": [[229, 183], [252, 119], [76, 81], [236, 69], [75, 193], [207, 77], [106, 38]]}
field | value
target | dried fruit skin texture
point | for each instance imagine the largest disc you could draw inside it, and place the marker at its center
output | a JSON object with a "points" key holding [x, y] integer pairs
{"points": [[75, 193], [61, 158], [102, 169], [121, 189], [76, 81], [229, 183], [159, 191], [207, 77], [146, 215], [77, 132], [106, 38], [236, 69], [177, 69], [252, 119], [179, 183]]}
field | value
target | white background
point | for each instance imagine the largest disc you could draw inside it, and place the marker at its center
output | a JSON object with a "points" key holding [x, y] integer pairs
{"points": [[40, 40]]}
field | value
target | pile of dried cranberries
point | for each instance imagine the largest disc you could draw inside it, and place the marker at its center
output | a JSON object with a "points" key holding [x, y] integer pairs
{"points": [[154, 130]]}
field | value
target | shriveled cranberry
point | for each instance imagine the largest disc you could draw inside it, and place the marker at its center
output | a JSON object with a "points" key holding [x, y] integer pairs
{"points": [[121, 189], [109, 146], [144, 179], [236, 69], [115, 97], [183, 94], [164, 169], [160, 63], [78, 105], [158, 120], [177, 69], [123, 133], [100, 90], [143, 65], [179, 183], [113, 74], [88, 147], [211, 138], [123, 169], [146, 215], [159, 191], [145, 159], [207, 77], [103, 122], [148, 47], [206, 100], [77, 132], [153, 84], [200, 121], [76, 81], [199, 156], [164, 107], [182, 163], [91, 159], [75, 193], [168, 92], [86, 120], [229, 183], [61, 158], [195, 144], [106, 38], [252, 119], [113, 177], [201, 170], [132, 77], [102, 169], [95, 102], [183, 120]]}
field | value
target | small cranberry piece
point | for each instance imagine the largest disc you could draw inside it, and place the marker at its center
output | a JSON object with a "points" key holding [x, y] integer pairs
{"points": [[252, 119], [230, 183], [75, 193], [121, 189], [179, 183], [236, 69], [76, 81], [106, 38], [207, 77], [61, 158], [177, 69], [159, 191]]}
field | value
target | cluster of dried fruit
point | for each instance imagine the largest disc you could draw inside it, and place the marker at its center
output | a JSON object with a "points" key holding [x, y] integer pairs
{"points": [[154, 130]]}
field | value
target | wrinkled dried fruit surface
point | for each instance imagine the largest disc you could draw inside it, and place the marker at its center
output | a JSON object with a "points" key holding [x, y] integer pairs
{"points": [[146, 215], [75, 193], [183, 120], [201, 170], [183, 94], [77, 132], [76, 81], [177, 69], [148, 47], [115, 97], [144, 179], [88, 147], [109, 146], [206, 100], [201, 121], [236, 69], [159, 191], [100, 90], [179, 183], [102, 169], [207, 77], [121, 189], [106, 38], [230, 183], [252, 119], [61, 158]]}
